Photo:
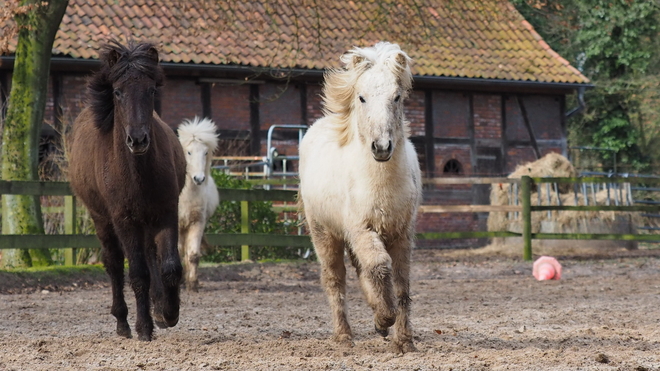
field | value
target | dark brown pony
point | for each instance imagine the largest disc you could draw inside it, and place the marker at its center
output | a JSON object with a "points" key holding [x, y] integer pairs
{"points": [[128, 168]]}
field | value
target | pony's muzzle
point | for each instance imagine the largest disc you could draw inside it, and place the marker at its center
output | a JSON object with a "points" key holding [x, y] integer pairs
{"points": [[138, 143], [382, 149], [199, 179]]}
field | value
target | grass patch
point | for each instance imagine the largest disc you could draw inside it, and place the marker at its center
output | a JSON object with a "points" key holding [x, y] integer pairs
{"points": [[53, 278]]}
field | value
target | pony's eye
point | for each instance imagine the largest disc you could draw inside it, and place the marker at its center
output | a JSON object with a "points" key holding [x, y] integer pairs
{"points": [[152, 91], [188, 153], [396, 99], [117, 93], [362, 99]]}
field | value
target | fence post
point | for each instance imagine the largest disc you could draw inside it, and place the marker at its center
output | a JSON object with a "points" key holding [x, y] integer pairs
{"points": [[70, 227], [245, 228], [525, 195]]}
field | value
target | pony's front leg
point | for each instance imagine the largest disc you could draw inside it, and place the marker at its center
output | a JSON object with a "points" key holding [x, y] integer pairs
{"points": [[400, 252], [193, 253], [375, 267], [330, 252], [113, 261], [132, 237], [170, 272]]}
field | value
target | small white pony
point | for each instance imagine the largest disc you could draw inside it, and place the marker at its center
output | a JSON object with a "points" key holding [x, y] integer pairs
{"points": [[360, 187], [199, 197]]}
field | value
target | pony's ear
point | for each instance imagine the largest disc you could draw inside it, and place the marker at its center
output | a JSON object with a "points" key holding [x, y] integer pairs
{"points": [[153, 54], [402, 60], [112, 57], [352, 59]]}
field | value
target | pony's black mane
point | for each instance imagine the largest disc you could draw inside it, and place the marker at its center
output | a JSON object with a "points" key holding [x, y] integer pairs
{"points": [[116, 61]]}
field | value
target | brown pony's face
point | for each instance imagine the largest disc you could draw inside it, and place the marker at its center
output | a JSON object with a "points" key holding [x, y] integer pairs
{"points": [[134, 106], [134, 94]]}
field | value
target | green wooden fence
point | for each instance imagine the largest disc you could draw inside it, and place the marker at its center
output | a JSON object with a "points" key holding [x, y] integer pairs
{"points": [[527, 209], [71, 240]]}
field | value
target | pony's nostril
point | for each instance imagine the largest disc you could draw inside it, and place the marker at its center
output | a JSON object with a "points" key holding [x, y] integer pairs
{"points": [[389, 146], [373, 146], [140, 140]]}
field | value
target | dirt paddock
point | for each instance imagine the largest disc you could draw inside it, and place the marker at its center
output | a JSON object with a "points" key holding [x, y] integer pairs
{"points": [[470, 312]]}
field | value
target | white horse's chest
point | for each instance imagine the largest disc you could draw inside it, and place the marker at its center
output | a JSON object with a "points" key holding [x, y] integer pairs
{"points": [[384, 208], [197, 203]]}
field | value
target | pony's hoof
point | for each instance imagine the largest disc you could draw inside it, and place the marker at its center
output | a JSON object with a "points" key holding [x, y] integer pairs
{"points": [[403, 347], [160, 324], [382, 331], [344, 340], [172, 322], [124, 330], [192, 286], [144, 337]]}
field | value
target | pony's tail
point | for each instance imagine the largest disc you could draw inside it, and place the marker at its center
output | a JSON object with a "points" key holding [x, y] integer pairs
{"points": [[301, 210]]}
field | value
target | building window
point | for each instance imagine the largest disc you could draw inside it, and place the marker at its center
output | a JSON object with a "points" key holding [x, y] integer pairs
{"points": [[452, 167]]}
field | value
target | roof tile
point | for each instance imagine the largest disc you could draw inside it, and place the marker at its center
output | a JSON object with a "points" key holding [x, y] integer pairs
{"points": [[487, 39]]}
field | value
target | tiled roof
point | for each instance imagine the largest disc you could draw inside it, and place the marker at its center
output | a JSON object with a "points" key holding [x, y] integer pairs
{"points": [[454, 38]]}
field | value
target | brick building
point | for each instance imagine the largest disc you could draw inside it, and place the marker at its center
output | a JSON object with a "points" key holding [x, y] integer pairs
{"points": [[488, 91]]}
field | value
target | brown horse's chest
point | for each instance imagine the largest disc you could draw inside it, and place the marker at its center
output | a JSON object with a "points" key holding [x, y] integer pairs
{"points": [[139, 192]]}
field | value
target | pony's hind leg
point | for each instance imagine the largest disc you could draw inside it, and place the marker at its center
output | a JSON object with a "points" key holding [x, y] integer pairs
{"points": [[113, 261], [330, 252], [375, 271], [400, 252]]}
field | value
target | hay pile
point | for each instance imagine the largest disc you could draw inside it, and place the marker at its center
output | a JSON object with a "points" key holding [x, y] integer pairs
{"points": [[555, 165]]}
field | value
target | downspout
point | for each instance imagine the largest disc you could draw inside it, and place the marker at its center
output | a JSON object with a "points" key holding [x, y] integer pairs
{"points": [[581, 104]]}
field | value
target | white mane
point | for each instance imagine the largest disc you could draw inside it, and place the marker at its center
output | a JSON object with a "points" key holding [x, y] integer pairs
{"points": [[339, 87], [200, 130]]}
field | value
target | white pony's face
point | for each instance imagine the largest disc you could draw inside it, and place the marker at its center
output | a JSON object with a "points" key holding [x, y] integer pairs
{"points": [[378, 108], [197, 157]]}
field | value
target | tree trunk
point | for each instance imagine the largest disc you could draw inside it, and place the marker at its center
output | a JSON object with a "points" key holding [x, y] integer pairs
{"points": [[22, 127]]}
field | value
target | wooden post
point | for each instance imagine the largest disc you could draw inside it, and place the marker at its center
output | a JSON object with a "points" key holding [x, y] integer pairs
{"points": [[525, 195], [70, 227], [245, 228]]}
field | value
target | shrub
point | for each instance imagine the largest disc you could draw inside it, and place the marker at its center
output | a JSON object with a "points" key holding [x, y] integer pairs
{"points": [[227, 219]]}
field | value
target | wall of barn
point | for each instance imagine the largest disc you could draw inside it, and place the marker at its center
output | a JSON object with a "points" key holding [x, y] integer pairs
{"points": [[456, 133]]}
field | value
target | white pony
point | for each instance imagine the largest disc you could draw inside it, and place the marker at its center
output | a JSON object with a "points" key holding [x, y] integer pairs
{"points": [[199, 197], [360, 187]]}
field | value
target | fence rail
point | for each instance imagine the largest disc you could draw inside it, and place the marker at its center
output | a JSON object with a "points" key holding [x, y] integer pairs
{"points": [[71, 240]]}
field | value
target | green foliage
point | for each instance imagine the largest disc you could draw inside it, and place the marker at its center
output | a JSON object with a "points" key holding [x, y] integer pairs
{"points": [[227, 219], [615, 44]]}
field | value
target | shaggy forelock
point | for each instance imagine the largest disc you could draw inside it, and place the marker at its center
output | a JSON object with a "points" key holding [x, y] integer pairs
{"points": [[117, 61], [135, 57], [339, 87], [198, 130]]}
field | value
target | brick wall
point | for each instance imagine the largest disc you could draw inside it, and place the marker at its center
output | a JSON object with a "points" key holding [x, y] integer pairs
{"points": [[487, 110], [314, 103], [230, 106], [279, 104], [72, 100], [461, 153], [451, 115], [414, 111], [180, 99], [544, 113]]}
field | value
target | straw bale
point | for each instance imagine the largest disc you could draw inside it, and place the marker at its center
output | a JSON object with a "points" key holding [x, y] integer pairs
{"points": [[551, 165]]}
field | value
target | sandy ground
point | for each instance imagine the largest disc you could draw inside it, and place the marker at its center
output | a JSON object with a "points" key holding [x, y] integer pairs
{"points": [[470, 312]]}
